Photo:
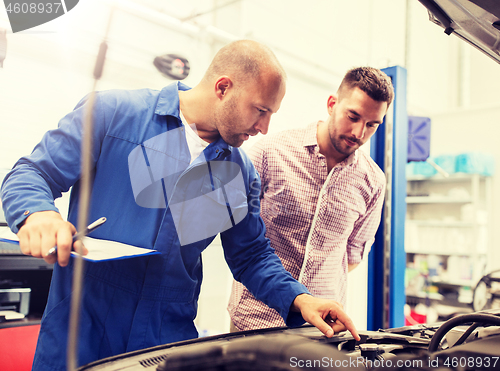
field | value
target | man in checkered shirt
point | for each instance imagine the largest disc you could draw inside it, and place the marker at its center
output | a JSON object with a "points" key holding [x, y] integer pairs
{"points": [[321, 198]]}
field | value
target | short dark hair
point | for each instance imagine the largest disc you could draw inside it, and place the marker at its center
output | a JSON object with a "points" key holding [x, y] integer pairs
{"points": [[375, 83]]}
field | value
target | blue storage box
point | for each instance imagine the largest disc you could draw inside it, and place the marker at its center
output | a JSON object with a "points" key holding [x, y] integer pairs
{"points": [[421, 168], [447, 162], [476, 163], [419, 138]]}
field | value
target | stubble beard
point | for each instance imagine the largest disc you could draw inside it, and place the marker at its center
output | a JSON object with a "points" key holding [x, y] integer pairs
{"points": [[226, 119], [339, 144]]}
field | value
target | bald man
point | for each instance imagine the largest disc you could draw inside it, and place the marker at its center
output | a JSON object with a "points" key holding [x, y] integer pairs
{"points": [[168, 175]]}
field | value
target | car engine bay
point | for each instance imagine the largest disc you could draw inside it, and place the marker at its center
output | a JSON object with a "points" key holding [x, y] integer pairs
{"points": [[465, 342]]}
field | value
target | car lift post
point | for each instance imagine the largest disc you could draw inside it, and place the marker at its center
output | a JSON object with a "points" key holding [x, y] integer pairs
{"points": [[387, 261]]}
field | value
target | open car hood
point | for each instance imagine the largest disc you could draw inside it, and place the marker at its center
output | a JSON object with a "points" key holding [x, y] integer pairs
{"points": [[475, 21], [469, 342]]}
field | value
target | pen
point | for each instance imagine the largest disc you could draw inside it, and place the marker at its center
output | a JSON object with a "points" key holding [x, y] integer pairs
{"points": [[93, 226]]}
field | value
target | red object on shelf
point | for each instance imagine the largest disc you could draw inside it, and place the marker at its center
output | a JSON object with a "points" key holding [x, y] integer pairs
{"points": [[17, 346], [415, 318]]}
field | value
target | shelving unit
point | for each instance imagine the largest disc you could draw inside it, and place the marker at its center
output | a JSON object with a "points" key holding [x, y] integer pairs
{"points": [[447, 238]]}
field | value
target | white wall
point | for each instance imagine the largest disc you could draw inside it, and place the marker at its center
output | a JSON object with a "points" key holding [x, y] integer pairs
{"points": [[48, 69]]}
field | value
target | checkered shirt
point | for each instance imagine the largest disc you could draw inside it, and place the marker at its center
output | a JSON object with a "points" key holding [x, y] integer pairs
{"points": [[318, 223]]}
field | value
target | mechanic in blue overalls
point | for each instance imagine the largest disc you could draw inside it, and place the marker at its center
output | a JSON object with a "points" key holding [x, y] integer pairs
{"points": [[168, 176]]}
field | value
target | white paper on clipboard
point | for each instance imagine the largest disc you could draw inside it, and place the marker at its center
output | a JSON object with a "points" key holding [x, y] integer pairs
{"points": [[101, 250], [6, 235]]}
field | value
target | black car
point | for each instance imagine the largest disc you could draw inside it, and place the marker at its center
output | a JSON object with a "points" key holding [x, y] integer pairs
{"points": [[466, 342]]}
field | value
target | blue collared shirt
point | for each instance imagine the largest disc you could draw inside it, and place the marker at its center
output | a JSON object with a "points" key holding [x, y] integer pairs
{"points": [[136, 303]]}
